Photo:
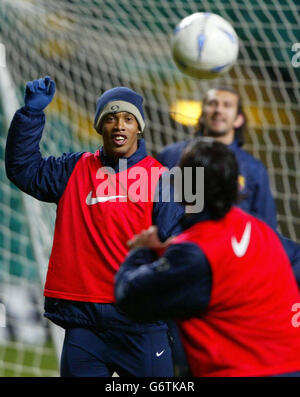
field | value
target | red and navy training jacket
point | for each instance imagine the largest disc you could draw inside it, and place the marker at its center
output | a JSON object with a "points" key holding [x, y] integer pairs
{"points": [[88, 247], [231, 285], [65, 181]]}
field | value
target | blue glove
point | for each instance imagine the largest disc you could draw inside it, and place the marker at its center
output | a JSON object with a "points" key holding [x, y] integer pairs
{"points": [[38, 94]]}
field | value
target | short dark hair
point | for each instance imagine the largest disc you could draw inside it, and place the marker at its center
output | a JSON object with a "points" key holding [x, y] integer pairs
{"points": [[241, 131], [220, 174]]}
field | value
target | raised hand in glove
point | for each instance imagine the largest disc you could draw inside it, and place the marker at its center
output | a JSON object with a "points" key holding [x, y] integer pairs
{"points": [[39, 93]]}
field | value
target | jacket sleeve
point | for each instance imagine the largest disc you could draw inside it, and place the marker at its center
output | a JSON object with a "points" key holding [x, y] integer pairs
{"points": [[293, 251], [167, 157], [167, 212], [171, 154], [43, 178], [178, 285], [263, 204]]}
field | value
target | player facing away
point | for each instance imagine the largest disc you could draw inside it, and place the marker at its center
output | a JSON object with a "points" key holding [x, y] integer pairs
{"points": [[223, 118], [93, 224], [226, 279]]}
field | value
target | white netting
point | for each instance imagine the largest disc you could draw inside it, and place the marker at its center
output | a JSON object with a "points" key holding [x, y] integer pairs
{"points": [[89, 46]]}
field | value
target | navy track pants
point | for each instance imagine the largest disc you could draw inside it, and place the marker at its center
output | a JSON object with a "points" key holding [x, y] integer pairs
{"points": [[92, 353]]}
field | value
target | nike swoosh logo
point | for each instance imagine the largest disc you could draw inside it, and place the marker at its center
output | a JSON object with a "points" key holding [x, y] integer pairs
{"points": [[94, 200], [159, 354], [240, 248]]}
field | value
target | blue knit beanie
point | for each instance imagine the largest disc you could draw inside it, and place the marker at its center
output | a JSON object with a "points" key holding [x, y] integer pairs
{"points": [[119, 99]]}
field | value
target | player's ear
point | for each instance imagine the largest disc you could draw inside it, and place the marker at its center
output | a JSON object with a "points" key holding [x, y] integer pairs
{"points": [[239, 121]]}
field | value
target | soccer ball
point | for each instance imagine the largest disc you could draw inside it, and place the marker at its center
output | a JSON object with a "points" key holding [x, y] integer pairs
{"points": [[204, 45]]}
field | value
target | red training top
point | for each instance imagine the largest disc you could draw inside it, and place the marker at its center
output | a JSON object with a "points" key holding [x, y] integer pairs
{"points": [[247, 328], [96, 216]]}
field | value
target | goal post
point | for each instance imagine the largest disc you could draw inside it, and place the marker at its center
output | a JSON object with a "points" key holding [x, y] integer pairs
{"points": [[27, 330], [88, 47]]}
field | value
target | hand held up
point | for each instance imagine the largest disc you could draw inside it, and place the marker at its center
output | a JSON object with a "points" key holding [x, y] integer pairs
{"points": [[39, 93]]}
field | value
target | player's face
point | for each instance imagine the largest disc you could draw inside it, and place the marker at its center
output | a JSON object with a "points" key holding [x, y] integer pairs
{"points": [[119, 133], [219, 114]]}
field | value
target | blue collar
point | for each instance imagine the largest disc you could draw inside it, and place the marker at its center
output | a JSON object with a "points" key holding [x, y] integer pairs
{"points": [[234, 145], [189, 220], [137, 156]]}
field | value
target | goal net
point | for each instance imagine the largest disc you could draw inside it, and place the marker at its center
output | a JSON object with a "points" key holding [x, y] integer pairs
{"points": [[90, 46]]}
